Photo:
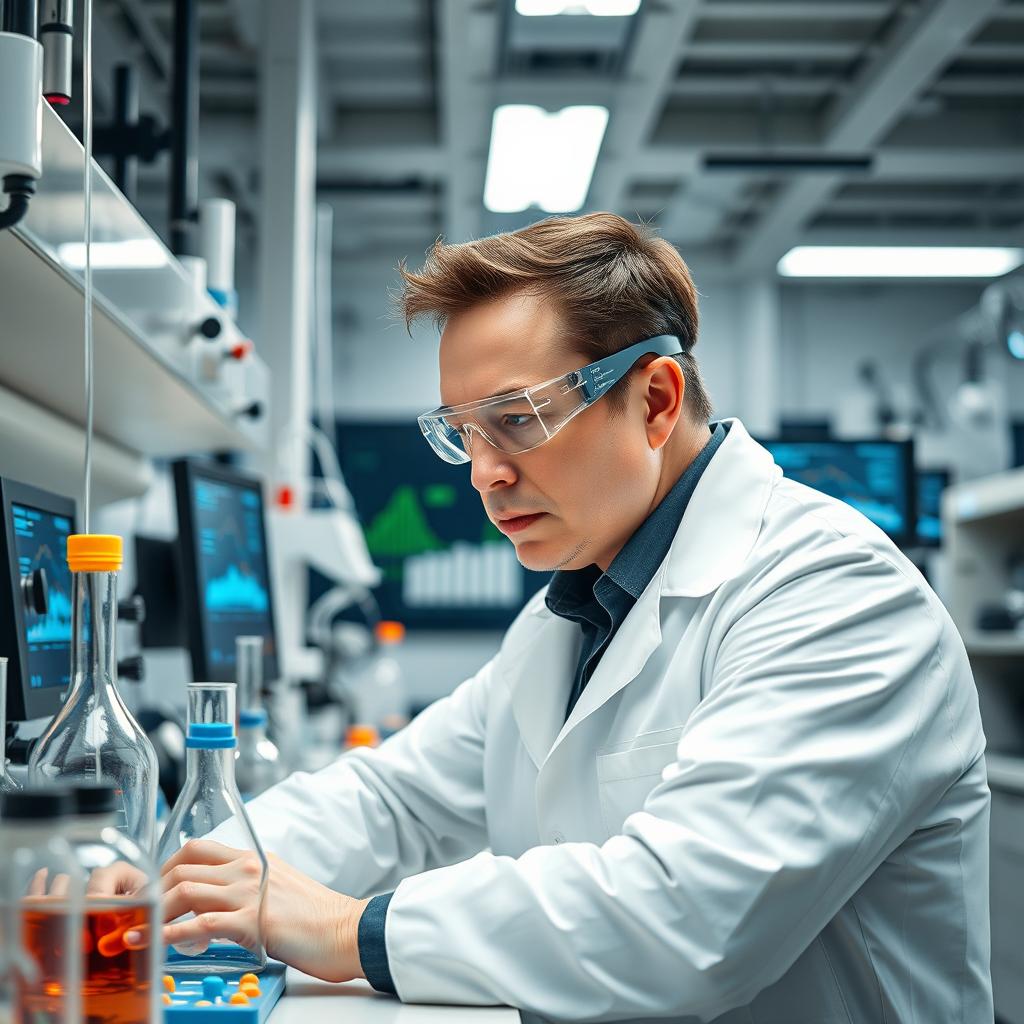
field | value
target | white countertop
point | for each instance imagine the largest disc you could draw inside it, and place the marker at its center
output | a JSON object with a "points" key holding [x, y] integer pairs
{"points": [[308, 1001]]}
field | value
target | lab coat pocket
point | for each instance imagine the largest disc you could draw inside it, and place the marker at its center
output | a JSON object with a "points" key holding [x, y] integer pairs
{"points": [[625, 778]]}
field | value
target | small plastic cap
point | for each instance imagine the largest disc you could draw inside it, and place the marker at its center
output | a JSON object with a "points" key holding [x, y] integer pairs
{"points": [[389, 632], [94, 799], [95, 552], [210, 736], [361, 736], [35, 805]]}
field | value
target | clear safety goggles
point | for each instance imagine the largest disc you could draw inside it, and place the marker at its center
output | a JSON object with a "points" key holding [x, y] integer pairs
{"points": [[522, 420]]}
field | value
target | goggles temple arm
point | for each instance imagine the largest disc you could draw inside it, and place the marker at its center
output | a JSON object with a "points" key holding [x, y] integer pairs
{"points": [[599, 376]]}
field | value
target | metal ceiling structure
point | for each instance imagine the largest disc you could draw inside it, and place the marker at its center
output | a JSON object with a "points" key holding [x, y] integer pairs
{"points": [[929, 90]]}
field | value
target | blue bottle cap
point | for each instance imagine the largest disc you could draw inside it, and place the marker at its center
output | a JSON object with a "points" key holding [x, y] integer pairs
{"points": [[252, 719], [210, 735]]}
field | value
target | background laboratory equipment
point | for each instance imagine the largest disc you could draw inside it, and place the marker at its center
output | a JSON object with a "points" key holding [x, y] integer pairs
{"points": [[121, 948], [382, 700], [209, 799], [94, 737], [40, 910], [258, 764], [7, 784]]}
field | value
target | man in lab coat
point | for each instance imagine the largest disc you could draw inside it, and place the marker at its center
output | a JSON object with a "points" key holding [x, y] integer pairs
{"points": [[727, 767]]}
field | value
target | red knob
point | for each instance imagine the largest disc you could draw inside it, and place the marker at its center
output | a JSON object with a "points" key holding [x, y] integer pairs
{"points": [[240, 349]]}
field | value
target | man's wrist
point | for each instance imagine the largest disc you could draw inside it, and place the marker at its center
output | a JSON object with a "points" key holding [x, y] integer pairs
{"points": [[347, 941]]}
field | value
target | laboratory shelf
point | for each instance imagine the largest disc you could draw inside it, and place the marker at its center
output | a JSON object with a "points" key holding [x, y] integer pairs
{"points": [[996, 645], [161, 389], [988, 498]]}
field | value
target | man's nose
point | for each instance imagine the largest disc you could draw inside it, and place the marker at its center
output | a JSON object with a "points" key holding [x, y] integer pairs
{"points": [[490, 468]]}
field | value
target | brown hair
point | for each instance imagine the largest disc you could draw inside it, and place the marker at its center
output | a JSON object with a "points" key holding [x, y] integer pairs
{"points": [[613, 282]]}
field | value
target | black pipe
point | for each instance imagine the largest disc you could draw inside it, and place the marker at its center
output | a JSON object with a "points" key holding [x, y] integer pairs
{"points": [[20, 188], [126, 115], [184, 128], [21, 17]]}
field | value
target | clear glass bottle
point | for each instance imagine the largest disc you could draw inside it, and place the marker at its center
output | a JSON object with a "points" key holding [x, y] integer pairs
{"points": [[382, 700], [210, 800], [41, 889], [7, 784], [258, 764], [94, 737], [122, 952]]}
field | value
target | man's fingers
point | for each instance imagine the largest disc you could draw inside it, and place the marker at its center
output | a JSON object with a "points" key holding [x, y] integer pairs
{"points": [[116, 880], [206, 927], [37, 887], [200, 898], [200, 851], [212, 874]]}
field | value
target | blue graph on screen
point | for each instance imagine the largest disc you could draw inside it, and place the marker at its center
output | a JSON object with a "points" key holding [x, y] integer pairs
{"points": [[235, 591], [41, 539]]}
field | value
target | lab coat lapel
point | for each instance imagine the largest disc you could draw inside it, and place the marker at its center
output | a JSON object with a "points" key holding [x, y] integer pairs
{"points": [[636, 640], [540, 674]]}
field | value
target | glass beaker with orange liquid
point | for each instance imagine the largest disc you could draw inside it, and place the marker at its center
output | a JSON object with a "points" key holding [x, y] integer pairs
{"points": [[41, 892]]}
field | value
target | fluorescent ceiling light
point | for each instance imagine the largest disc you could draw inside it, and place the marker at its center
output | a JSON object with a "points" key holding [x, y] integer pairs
{"points": [[542, 159], [131, 254], [870, 261], [600, 8]]}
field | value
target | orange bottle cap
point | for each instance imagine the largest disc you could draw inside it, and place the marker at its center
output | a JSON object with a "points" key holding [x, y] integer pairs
{"points": [[361, 736], [388, 632], [95, 552]]}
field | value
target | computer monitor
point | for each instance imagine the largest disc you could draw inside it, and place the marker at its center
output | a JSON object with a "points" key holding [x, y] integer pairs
{"points": [[1016, 443], [930, 485], [876, 477], [225, 567], [34, 536]]}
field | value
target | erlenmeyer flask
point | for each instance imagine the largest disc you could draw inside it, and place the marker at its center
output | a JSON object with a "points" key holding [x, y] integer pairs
{"points": [[210, 798], [94, 738]]}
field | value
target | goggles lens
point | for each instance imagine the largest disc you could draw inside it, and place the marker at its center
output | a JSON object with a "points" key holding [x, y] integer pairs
{"points": [[523, 420]]}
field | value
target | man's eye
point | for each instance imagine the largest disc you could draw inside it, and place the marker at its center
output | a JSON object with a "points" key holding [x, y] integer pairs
{"points": [[515, 419]]}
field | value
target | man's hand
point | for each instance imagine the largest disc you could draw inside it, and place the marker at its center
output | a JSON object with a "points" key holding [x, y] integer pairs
{"points": [[302, 922]]}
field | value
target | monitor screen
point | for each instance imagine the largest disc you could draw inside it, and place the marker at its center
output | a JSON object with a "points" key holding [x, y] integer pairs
{"points": [[41, 542], [930, 485], [225, 567], [875, 477], [33, 541]]}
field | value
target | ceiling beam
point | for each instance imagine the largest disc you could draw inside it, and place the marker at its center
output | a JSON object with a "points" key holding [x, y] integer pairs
{"points": [[916, 52], [467, 44], [660, 34]]}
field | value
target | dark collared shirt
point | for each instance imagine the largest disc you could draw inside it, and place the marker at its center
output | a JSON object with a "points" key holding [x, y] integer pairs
{"points": [[598, 602]]}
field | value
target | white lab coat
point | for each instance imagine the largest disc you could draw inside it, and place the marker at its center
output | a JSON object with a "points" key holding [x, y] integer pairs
{"points": [[769, 805]]}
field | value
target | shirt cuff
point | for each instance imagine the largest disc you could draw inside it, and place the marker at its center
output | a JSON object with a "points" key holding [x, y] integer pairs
{"points": [[373, 950]]}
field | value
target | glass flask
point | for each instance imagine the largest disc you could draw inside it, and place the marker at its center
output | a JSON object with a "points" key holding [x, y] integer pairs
{"points": [[258, 764], [122, 951], [210, 801], [94, 738], [41, 889], [7, 784]]}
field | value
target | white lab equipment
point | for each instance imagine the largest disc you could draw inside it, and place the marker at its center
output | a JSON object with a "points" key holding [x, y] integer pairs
{"points": [[769, 803], [381, 698]]}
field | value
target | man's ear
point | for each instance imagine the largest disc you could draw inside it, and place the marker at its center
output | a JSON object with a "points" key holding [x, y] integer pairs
{"points": [[665, 389]]}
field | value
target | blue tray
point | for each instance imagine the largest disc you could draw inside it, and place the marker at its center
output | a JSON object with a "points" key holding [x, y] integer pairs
{"points": [[189, 990]]}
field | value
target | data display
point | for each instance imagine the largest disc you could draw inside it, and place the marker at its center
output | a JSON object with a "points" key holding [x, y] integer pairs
{"points": [[41, 542], [445, 565], [930, 485], [872, 476], [231, 568]]}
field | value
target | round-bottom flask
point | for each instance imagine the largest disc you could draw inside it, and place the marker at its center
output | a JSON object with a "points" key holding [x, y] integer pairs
{"points": [[210, 799]]}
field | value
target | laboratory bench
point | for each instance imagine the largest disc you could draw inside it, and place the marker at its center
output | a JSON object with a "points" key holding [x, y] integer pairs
{"points": [[309, 1001]]}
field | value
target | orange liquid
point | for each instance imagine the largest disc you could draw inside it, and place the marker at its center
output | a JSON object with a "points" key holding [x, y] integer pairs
{"points": [[115, 979]]}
